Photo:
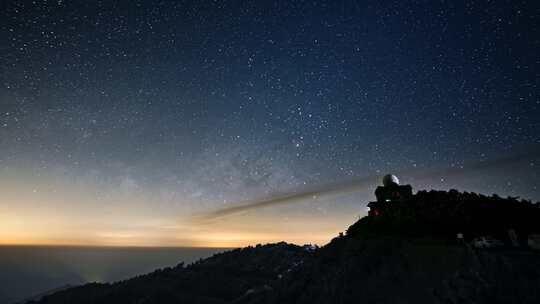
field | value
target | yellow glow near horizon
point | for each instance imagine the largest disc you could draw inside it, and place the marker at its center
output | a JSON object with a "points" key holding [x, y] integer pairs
{"points": [[58, 212], [47, 228], [13, 232]]}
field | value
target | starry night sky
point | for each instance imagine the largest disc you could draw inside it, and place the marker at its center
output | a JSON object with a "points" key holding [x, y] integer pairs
{"points": [[119, 120]]}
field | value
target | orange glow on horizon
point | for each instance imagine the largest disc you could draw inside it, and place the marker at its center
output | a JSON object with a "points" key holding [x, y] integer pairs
{"points": [[72, 215]]}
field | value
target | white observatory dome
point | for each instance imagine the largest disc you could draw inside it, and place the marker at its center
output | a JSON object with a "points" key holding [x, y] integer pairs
{"points": [[390, 179]]}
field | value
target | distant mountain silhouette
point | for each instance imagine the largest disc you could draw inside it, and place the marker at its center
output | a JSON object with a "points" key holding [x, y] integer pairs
{"points": [[39, 296], [407, 254]]}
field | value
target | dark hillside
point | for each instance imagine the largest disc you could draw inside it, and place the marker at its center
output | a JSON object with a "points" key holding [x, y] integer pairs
{"points": [[410, 254], [443, 214], [218, 279], [407, 254], [394, 270]]}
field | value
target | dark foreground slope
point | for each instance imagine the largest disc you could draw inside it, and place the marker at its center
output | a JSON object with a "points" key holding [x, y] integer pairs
{"points": [[407, 255], [409, 271], [221, 278]]}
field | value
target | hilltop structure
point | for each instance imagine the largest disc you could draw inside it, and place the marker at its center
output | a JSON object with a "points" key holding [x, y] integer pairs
{"points": [[412, 242], [391, 191]]}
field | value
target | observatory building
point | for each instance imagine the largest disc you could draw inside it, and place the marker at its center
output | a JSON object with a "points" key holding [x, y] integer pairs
{"points": [[390, 192]]}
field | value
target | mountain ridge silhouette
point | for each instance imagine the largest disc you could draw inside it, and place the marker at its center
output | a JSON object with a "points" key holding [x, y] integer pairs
{"points": [[408, 254]]}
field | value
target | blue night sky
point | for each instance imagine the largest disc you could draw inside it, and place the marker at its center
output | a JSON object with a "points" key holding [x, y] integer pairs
{"points": [[119, 120]]}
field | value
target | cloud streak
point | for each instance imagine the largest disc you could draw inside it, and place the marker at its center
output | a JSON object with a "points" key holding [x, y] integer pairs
{"points": [[362, 184]]}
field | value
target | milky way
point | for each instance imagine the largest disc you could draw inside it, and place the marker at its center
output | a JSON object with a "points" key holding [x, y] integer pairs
{"points": [[136, 111]]}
